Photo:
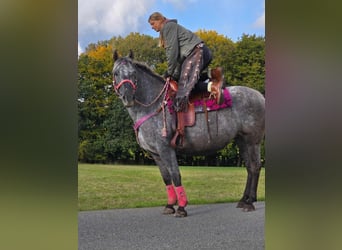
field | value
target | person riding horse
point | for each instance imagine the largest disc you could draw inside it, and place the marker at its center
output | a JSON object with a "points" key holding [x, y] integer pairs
{"points": [[187, 56], [143, 93]]}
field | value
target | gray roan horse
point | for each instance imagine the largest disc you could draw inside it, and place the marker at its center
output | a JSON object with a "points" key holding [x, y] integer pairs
{"points": [[143, 94]]}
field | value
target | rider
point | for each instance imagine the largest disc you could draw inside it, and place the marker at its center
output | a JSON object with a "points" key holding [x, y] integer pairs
{"points": [[187, 56]]}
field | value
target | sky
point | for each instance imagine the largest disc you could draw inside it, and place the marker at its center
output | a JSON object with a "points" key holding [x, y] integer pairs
{"points": [[103, 19]]}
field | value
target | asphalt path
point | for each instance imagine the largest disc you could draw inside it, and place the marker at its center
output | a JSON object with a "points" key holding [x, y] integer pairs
{"points": [[214, 226]]}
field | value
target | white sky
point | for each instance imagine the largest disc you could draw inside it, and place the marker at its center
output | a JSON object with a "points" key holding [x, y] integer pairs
{"points": [[102, 19]]}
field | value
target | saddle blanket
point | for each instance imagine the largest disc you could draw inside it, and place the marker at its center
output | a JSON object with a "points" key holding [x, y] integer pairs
{"points": [[209, 103]]}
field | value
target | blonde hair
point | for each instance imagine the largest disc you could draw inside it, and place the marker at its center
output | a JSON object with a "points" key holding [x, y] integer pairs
{"points": [[157, 16]]}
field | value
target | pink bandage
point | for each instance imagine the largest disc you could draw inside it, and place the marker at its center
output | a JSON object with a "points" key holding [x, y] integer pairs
{"points": [[182, 200], [171, 195]]}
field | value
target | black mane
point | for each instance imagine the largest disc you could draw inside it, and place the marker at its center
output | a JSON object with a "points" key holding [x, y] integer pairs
{"points": [[146, 68]]}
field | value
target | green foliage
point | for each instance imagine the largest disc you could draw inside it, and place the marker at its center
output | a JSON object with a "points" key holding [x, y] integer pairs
{"points": [[220, 46], [145, 49], [248, 63], [104, 127], [120, 143]]}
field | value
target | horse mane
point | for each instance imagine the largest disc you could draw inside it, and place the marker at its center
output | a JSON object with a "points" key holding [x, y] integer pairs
{"points": [[144, 67]]}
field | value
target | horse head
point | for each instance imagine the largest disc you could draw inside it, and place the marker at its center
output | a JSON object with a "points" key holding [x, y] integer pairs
{"points": [[124, 78]]}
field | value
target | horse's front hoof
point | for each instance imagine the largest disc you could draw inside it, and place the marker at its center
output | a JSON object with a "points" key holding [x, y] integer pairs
{"points": [[181, 212], [169, 209]]}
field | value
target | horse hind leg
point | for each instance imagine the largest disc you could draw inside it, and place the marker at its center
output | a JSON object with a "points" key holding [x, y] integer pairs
{"points": [[251, 156]]}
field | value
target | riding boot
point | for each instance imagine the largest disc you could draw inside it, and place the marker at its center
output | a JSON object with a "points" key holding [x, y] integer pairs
{"points": [[180, 104], [185, 86], [215, 86]]}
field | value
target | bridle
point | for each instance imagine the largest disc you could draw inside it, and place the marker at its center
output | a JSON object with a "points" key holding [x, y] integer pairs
{"points": [[134, 86], [118, 86], [139, 122]]}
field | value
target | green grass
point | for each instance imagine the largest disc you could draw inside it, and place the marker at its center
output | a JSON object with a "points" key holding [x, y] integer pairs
{"points": [[119, 186]]}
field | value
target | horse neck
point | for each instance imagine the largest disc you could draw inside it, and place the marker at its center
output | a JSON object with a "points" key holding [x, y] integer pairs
{"points": [[148, 89]]}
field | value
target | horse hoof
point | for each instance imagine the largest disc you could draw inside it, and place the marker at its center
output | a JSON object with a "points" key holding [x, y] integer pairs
{"points": [[248, 207], [169, 209], [241, 204], [181, 212]]}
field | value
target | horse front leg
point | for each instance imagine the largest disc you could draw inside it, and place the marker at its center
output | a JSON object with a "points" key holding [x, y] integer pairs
{"points": [[170, 190], [170, 173], [170, 159]]}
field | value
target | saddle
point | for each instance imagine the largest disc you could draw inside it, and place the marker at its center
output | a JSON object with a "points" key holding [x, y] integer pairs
{"points": [[186, 119]]}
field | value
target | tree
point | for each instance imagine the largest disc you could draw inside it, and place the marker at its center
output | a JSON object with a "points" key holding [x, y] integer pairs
{"points": [[119, 138], [247, 63], [105, 128], [94, 71], [221, 47], [145, 49]]}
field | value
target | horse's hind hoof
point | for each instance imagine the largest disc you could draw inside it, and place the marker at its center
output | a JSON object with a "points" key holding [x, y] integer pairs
{"points": [[181, 212], [169, 209], [248, 207], [241, 204]]}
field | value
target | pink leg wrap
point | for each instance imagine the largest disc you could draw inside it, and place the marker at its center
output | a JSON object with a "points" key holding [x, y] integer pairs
{"points": [[182, 200], [171, 195]]}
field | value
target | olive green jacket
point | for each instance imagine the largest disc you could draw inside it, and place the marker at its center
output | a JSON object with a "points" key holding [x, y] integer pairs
{"points": [[179, 43]]}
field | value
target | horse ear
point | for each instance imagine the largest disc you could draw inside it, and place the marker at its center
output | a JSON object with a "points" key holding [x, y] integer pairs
{"points": [[130, 55], [115, 55]]}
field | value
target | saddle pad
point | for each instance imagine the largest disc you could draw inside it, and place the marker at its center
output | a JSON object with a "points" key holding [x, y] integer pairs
{"points": [[210, 103]]}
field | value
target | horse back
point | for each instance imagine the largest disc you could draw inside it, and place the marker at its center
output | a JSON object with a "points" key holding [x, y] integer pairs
{"points": [[214, 130]]}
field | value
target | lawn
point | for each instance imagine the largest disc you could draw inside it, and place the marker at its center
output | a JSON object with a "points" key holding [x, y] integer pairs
{"points": [[121, 186]]}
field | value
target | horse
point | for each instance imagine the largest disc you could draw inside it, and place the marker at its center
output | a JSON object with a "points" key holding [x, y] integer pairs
{"points": [[143, 92]]}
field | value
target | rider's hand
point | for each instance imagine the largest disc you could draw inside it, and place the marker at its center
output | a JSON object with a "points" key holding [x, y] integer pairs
{"points": [[167, 75]]}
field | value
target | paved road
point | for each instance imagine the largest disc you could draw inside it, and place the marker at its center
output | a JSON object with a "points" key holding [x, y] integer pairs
{"points": [[216, 226]]}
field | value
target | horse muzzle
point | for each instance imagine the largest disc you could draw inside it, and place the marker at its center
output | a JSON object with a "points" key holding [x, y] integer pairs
{"points": [[127, 102], [127, 92]]}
